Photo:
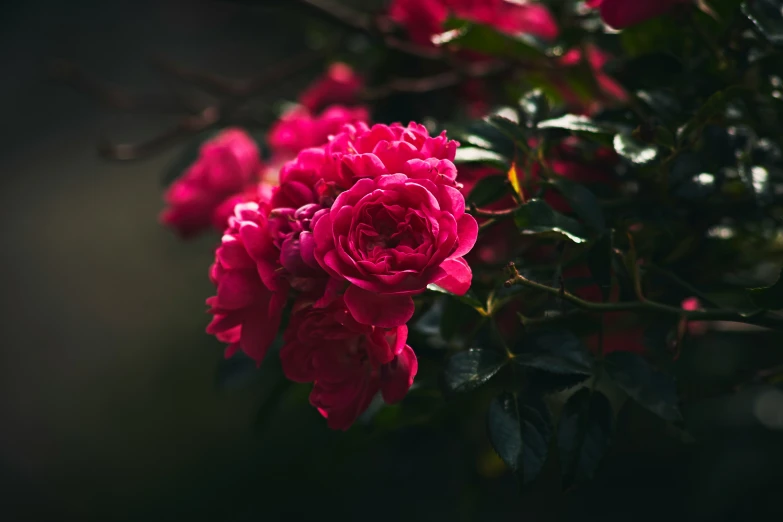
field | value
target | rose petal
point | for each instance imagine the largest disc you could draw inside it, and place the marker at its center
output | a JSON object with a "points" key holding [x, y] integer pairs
{"points": [[385, 311], [467, 233], [458, 276], [397, 376]]}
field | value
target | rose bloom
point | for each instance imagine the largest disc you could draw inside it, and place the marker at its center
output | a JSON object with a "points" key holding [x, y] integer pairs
{"points": [[391, 236], [611, 91], [623, 13], [318, 174], [251, 294], [226, 166], [347, 362], [425, 18], [299, 129], [340, 85]]}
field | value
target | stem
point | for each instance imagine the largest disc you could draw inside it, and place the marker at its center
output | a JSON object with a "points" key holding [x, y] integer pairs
{"points": [[760, 318]]}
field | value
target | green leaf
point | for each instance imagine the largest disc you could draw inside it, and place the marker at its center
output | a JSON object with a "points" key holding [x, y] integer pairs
{"points": [[470, 369], [509, 128], [537, 217], [469, 298], [714, 106], [648, 386], [520, 433], [485, 39], [584, 434], [635, 152], [481, 156], [559, 352], [599, 261], [488, 190], [577, 123], [535, 107], [545, 383], [769, 297], [767, 16], [583, 202]]}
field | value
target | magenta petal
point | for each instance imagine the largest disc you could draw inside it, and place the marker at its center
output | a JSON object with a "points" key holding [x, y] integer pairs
{"points": [[458, 276], [467, 233], [364, 165], [397, 376], [385, 311]]}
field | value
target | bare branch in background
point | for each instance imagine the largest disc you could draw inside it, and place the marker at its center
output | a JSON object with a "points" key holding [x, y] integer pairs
{"points": [[234, 95], [111, 95]]}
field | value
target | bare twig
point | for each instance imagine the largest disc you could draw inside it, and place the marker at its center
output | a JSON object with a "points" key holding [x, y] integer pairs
{"points": [[433, 83], [111, 95], [223, 86], [760, 318], [342, 14]]}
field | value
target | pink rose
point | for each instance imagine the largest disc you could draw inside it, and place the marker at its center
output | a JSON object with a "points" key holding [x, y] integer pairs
{"points": [[623, 13], [597, 59], [425, 18], [340, 85], [299, 129], [318, 174], [226, 165], [348, 363], [391, 236], [250, 295]]}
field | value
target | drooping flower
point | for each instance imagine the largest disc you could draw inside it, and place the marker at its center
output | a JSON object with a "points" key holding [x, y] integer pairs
{"points": [[624, 13], [347, 362], [226, 166], [425, 18], [251, 293], [340, 85], [391, 236]]}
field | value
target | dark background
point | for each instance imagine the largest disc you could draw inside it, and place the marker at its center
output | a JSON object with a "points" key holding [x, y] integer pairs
{"points": [[109, 408]]}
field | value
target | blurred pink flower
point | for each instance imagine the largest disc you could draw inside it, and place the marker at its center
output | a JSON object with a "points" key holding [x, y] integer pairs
{"points": [[226, 165], [425, 18]]}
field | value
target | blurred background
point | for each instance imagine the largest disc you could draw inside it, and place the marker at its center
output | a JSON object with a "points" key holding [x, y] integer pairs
{"points": [[111, 407]]}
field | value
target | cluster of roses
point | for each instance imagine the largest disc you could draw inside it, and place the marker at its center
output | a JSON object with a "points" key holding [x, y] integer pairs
{"points": [[355, 228], [425, 18], [229, 169], [349, 221]]}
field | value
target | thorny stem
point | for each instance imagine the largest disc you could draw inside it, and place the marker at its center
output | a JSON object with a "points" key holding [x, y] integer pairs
{"points": [[759, 318]]}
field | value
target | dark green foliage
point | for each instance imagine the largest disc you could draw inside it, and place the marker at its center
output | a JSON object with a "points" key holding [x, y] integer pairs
{"points": [[648, 386], [520, 432], [584, 434], [470, 369]]}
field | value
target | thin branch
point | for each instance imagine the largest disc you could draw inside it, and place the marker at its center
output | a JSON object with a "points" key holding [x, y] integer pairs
{"points": [[185, 127], [432, 83], [477, 212], [111, 95], [222, 86], [760, 318], [342, 14], [235, 95]]}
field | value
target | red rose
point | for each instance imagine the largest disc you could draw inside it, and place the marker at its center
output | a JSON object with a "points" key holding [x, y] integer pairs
{"points": [[226, 166], [250, 294], [348, 362], [623, 13], [391, 236]]}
